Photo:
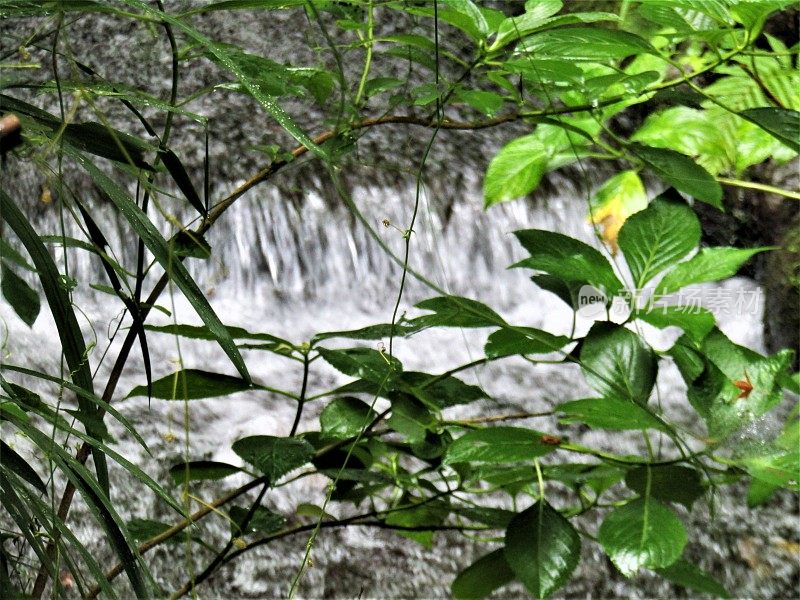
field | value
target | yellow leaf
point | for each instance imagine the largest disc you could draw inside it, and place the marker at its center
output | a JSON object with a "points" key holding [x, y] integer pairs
{"points": [[615, 201]]}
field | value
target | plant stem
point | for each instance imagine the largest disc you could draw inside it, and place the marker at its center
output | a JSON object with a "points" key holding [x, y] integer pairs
{"points": [[762, 187], [302, 399], [368, 58]]}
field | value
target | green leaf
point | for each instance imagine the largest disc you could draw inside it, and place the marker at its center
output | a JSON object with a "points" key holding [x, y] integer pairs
{"points": [[221, 53], [147, 232], [686, 574], [542, 548], [695, 321], [10, 254], [568, 259], [262, 521], [487, 103], [568, 291], [410, 418], [668, 483], [22, 298], [497, 445], [759, 492], [710, 264], [182, 180], [69, 332], [430, 514], [193, 384], [366, 363], [274, 456], [142, 530], [244, 5], [201, 470], [345, 417], [18, 465], [515, 28], [516, 170], [643, 533], [438, 392], [618, 363], [658, 237], [454, 311], [681, 172], [493, 517], [370, 332], [583, 43], [783, 124], [482, 577], [693, 132], [608, 413], [523, 340]]}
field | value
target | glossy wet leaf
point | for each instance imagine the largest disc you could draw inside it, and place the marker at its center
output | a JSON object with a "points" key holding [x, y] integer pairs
{"points": [[608, 413], [523, 340], [542, 548], [274, 456], [568, 259], [642, 533], [681, 172], [365, 363], [710, 264], [781, 123], [263, 520], [454, 311], [497, 445], [668, 483], [618, 363], [658, 237], [696, 321], [516, 170], [439, 392], [578, 43], [482, 577]]}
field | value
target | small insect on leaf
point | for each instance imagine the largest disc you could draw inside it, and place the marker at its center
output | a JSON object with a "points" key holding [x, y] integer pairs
{"points": [[745, 387], [552, 440]]}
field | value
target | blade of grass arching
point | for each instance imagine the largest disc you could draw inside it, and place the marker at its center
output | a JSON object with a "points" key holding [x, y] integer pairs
{"points": [[131, 468], [18, 511], [43, 512], [83, 393], [268, 102], [69, 331], [182, 180], [20, 467], [133, 308], [97, 502], [172, 265], [90, 137]]}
